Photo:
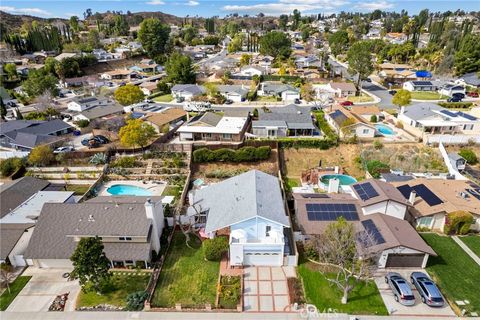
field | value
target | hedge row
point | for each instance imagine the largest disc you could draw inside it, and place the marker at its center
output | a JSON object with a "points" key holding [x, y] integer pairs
{"points": [[312, 143], [245, 154], [459, 105]]}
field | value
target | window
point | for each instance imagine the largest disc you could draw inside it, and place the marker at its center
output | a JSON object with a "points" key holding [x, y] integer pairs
{"points": [[272, 132], [468, 127], [125, 238], [206, 135], [227, 136], [425, 222], [267, 230], [365, 131]]}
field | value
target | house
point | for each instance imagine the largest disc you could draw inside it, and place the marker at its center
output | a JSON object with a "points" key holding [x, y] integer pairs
{"points": [[469, 79], [119, 74], [308, 61], [395, 73], [187, 91], [250, 71], [284, 91], [14, 239], [395, 242], [79, 82], [343, 89], [366, 112], [213, 127], [105, 112], [419, 86], [236, 93], [449, 89], [65, 55], [148, 88], [395, 37], [27, 134], [290, 120], [432, 199], [146, 68], [129, 228], [457, 161], [82, 103], [170, 117], [252, 214], [347, 124]]}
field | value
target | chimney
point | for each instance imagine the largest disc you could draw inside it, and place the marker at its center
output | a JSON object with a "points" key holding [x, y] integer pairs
{"points": [[412, 196], [154, 212], [333, 185]]}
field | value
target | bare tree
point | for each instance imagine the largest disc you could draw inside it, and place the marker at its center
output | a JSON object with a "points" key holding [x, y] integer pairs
{"points": [[44, 101], [193, 211], [349, 251], [6, 275]]}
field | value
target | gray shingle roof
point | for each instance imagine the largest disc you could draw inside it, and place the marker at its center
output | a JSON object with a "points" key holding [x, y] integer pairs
{"points": [[191, 88], [241, 90], [294, 117], [101, 111], [29, 134], [208, 118], [13, 194], [421, 110], [10, 233], [240, 198], [472, 79], [338, 116]]}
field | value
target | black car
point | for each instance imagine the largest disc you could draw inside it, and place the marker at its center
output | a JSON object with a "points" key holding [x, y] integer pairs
{"points": [[454, 99], [458, 95], [101, 139], [392, 92], [297, 101], [228, 101]]}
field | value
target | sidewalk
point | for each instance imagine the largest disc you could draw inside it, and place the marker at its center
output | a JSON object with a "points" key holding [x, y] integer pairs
{"points": [[466, 249]]}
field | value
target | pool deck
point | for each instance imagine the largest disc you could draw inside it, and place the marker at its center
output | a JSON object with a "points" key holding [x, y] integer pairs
{"points": [[155, 188]]}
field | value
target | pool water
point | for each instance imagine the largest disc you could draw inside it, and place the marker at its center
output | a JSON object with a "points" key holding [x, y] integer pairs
{"points": [[126, 190], [385, 130], [345, 180]]}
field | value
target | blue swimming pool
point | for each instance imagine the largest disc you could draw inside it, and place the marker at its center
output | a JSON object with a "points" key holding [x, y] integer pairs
{"points": [[345, 179], [126, 190], [385, 130]]}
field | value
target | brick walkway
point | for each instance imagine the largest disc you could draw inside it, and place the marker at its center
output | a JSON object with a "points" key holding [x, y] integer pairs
{"points": [[226, 270]]}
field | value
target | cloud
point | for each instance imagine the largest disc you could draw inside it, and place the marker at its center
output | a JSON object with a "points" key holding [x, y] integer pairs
{"points": [[286, 6], [29, 11], [375, 5], [155, 2], [192, 3]]}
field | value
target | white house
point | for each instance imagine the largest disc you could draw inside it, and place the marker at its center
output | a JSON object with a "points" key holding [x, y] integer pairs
{"points": [[286, 92], [236, 93], [343, 89], [450, 89], [419, 86], [250, 71], [187, 91], [355, 125]]}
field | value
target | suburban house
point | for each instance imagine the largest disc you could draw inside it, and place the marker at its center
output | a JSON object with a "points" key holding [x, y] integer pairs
{"points": [[252, 214], [366, 112], [236, 93], [15, 238], [65, 55], [396, 73], [449, 89], [250, 71], [119, 74], [213, 127], [146, 68], [187, 91], [172, 117], [290, 120], [308, 61], [395, 241], [395, 37], [347, 124], [79, 81], [343, 89], [27, 134], [148, 88], [129, 227], [100, 112], [469, 79], [80, 104], [284, 91], [432, 199], [419, 86]]}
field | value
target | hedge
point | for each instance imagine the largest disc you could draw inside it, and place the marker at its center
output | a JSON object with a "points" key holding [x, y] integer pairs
{"points": [[458, 222], [215, 248], [460, 105], [309, 143], [245, 154], [287, 78]]}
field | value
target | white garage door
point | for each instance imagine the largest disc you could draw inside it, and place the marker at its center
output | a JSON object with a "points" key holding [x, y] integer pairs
{"points": [[251, 258], [54, 263]]}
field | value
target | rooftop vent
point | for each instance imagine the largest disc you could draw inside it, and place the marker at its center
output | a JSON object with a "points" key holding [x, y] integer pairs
{"points": [[90, 218]]}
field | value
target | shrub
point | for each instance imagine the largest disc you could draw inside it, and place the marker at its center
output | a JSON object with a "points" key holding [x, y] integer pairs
{"points": [[456, 105], [98, 158], [375, 167], [255, 113], [245, 154], [322, 144], [136, 300], [377, 144], [41, 156], [262, 153], [125, 162], [373, 119], [82, 123], [224, 154], [468, 155], [10, 165], [213, 249], [458, 222]]}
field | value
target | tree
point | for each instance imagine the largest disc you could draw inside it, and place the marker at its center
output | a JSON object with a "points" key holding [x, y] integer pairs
{"points": [[236, 43], [74, 23], [338, 42], [121, 25], [7, 275], [347, 251], [179, 69], [67, 68], [11, 70], [136, 133], [245, 59], [373, 118], [360, 61], [3, 109], [212, 89], [467, 57], [38, 82], [188, 34], [296, 19], [90, 265], [282, 22], [307, 92], [469, 155], [402, 98], [211, 40], [41, 156], [276, 44], [136, 300], [93, 39], [153, 35], [128, 94]]}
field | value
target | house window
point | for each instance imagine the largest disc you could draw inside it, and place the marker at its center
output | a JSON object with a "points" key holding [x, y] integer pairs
{"points": [[227, 136], [206, 135], [365, 131], [425, 222], [125, 238], [272, 132], [267, 230], [468, 127]]}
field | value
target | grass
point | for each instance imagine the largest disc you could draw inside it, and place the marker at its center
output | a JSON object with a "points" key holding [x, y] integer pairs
{"points": [[293, 182], [116, 293], [266, 99], [15, 287], [427, 95], [473, 242], [230, 292], [362, 98], [186, 277], [454, 271], [78, 189], [163, 98], [174, 191], [363, 299]]}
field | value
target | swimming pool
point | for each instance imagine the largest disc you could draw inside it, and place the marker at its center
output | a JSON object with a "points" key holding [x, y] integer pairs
{"points": [[345, 179], [126, 190], [385, 130]]}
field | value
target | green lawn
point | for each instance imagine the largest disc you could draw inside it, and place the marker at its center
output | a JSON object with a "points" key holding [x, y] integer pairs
{"points": [[266, 99], [15, 287], [454, 271], [293, 182], [163, 98], [427, 95], [363, 299], [186, 277], [362, 98], [116, 293], [473, 242], [78, 189]]}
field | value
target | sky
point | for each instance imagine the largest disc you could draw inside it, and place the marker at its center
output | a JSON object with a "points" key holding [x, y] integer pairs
{"points": [[208, 8]]}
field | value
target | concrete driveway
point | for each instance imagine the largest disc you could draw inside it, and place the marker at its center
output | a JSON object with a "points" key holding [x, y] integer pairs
{"points": [[397, 309], [42, 289]]}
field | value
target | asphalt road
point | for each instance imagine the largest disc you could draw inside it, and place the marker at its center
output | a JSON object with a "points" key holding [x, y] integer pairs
{"points": [[385, 97]]}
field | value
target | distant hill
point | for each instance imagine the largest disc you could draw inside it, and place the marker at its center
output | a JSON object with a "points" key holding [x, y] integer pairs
{"points": [[14, 21]]}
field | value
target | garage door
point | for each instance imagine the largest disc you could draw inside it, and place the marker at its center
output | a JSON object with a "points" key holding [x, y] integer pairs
{"points": [[54, 263], [404, 260], [251, 258]]}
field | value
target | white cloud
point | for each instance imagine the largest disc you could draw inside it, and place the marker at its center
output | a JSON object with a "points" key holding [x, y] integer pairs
{"points": [[192, 3], [375, 5], [286, 6], [29, 11], [155, 2]]}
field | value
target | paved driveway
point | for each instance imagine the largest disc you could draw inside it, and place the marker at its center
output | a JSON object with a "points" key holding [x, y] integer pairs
{"points": [[42, 289], [397, 309], [266, 289]]}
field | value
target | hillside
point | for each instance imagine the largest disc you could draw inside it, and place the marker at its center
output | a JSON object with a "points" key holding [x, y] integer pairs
{"points": [[14, 21]]}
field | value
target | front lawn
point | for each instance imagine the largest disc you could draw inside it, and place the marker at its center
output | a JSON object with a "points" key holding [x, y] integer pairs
{"points": [[363, 299], [122, 283], [15, 287], [186, 277], [454, 271], [473, 242], [361, 98], [266, 99], [427, 95], [163, 98]]}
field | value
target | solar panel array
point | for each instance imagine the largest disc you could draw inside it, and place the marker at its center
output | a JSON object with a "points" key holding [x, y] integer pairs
{"points": [[422, 83], [449, 113], [467, 116], [331, 211], [365, 191], [474, 192], [373, 231], [422, 191]]}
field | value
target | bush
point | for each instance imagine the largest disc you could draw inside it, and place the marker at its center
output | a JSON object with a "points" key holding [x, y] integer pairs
{"points": [[373, 119], [468, 155], [376, 167], [10, 165], [82, 123], [98, 158], [214, 249], [456, 105], [377, 144], [458, 222], [245, 154], [41, 156], [322, 144], [125, 162], [136, 300]]}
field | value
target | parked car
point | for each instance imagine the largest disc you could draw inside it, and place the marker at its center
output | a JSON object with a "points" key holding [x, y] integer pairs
{"points": [[228, 101], [64, 149], [101, 139], [458, 95], [428, 291], [454, 99], [392, 92], [368, 80], [346, 103], [180, 99], [297, 101], [472, 94], [401, 289]]}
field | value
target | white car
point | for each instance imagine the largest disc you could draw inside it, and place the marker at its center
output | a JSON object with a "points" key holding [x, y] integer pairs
{"points": [[63, 149]]}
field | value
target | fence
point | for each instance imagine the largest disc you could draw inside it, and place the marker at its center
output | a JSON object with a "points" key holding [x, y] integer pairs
{"points": [[247, 143], [447, 139]]}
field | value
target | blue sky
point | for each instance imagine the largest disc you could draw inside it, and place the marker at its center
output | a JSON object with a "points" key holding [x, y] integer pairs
{"points": [[206, 8]]}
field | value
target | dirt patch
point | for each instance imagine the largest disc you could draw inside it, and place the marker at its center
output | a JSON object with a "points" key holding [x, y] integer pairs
{"points": [[102, 67]]}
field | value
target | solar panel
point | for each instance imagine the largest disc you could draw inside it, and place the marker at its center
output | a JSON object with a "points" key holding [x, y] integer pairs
{"points": [[467, 116], [331, 211], [373, 231], [474, 192], [365, 191], [422, 191], [449, 113], [422, 83]]}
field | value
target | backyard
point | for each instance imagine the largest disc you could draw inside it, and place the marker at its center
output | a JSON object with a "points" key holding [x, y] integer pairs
{"points": [[186, 277], [454, 271], [427, 95], [116, 291], [78, 189], [473, 242], [15, 287]]}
